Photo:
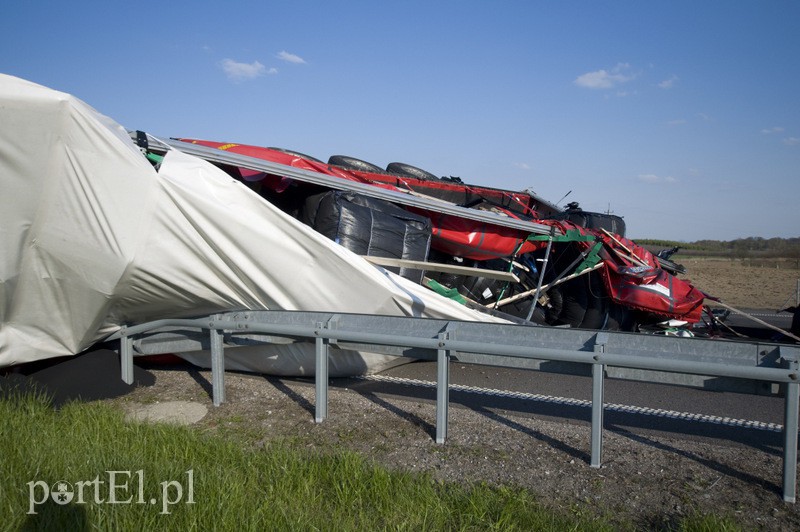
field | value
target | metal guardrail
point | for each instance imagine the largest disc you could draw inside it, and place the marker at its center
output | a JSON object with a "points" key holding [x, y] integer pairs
{"points": [[474, 342]]}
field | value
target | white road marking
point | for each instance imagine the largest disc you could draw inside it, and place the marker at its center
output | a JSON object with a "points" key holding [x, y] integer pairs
{"points": [[656, 412]]}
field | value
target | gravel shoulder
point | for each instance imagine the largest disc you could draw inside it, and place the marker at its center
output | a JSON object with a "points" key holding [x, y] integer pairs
{"points": [[650, 481]]}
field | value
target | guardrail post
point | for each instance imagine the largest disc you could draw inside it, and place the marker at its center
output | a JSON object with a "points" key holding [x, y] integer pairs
{"points": [[790, 426], [126, 356], [442, 387], [598, 391], [217, 363], [321, 376]]}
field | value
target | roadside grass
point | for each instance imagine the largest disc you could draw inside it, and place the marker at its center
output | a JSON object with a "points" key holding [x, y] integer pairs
{"points": [[173, 477]]}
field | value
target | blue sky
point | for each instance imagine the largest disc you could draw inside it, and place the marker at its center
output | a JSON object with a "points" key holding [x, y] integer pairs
{"points": [[683, 117]]}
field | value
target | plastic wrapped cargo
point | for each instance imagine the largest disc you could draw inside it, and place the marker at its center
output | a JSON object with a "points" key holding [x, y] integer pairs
{"points": [[371, 227], [94, 237]]}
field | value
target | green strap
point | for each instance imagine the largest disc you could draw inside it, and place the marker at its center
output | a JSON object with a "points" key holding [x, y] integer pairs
{"points": [[591, 259], [572, 235], [449, 293]]}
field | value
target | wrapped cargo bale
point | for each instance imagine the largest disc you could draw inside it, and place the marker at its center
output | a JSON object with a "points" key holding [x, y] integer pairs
{"points": [[370, 227], [591, 220]]}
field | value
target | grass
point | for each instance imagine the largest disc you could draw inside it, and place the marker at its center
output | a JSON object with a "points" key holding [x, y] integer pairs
{"points": [[232, 487]]}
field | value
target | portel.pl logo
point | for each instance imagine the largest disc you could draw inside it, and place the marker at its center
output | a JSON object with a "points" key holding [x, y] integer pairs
{"points": [[120, 487]]}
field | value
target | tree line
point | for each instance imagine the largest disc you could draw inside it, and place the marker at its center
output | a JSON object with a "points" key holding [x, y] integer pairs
{"points": [[751, 247]]}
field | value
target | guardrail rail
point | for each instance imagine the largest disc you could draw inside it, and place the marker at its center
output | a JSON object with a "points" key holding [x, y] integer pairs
{"points": [[693, 361]]}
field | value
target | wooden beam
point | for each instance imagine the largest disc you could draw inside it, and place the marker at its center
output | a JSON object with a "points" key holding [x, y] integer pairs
{"points": [[447, 268], [546, 287]]}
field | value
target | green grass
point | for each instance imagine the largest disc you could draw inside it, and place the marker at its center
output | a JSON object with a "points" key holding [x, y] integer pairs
{"points": [[233, 487]]}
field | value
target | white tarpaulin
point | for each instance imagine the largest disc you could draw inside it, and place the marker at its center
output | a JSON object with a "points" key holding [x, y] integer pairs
{"points": [[94, 237]]}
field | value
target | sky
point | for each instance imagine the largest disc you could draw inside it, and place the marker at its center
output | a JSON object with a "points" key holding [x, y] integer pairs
{"points": [[681, 116]]}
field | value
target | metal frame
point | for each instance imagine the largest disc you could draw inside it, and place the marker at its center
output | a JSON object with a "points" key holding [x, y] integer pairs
{"points": [[475, 342], [253, 163]]}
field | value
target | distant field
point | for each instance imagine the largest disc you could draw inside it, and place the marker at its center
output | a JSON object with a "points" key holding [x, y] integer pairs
{"points": [[745, 283]]}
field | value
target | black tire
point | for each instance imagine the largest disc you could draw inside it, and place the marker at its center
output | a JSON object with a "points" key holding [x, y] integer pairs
{"points": [[351, 163], [620, 319], [297, 154], [555, 305], [596, 314], [521, 309], [409, 171], [575, 303]]}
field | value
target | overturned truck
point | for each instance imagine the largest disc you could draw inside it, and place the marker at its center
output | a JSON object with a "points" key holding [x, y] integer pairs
{"points": [[566, 267], [102, 228]]}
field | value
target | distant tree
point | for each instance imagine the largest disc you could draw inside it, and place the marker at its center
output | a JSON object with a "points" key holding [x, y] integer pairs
{"points": [[740, 248]]}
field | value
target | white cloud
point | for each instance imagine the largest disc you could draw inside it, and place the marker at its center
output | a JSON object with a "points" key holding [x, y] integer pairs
{"points": [[668, 83], [243, 71], [606, 79], [622, 94], [522, 166], [792, 141], [653, 178], [290, 58], [776, 129]]}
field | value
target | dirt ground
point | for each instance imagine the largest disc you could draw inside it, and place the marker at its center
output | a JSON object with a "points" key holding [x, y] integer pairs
{"points": [[648, 480], [743, 286]]}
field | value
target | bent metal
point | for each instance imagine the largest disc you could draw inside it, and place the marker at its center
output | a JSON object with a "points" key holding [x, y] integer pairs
{"points": [[121, 487]]}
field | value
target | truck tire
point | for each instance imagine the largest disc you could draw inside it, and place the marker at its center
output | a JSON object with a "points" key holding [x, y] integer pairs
{"points": [[351, 163], [409, 171], [596, 314], [297, 154], [620, 319], [575, 303]]}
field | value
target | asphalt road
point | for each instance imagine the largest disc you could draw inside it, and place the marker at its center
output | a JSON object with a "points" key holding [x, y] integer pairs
{"points": [[749, 327], [639, 407], [690, 412]]}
